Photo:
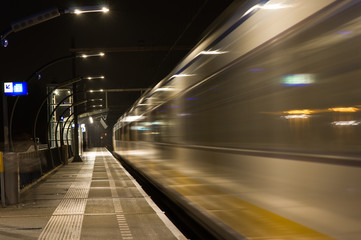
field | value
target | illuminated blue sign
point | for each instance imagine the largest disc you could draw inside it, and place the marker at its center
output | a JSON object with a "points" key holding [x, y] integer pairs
{"points": [[15, 88]]}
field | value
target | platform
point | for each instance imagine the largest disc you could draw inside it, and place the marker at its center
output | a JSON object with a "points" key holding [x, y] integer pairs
{"points": [[93, 199]]}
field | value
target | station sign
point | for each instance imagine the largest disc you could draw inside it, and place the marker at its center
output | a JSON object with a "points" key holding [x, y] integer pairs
{"points": [[15, 88]]}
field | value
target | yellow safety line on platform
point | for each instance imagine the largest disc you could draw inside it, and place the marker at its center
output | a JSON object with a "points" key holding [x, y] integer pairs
{"points": [[248, 219]]}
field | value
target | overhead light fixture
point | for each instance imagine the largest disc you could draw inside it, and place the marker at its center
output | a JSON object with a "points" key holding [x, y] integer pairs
{"points": [[88, 9], [97, 90], [101, 54], [96, 77]]}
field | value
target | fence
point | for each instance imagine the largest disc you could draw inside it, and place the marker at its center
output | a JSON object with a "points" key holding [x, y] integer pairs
{"points": [[24, 168]]}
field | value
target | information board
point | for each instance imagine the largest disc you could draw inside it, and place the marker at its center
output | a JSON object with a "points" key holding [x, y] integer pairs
{"points": [[15, 88]]}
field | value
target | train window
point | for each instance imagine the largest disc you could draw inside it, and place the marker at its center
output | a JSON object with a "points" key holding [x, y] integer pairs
{"points": [[250, 105]]}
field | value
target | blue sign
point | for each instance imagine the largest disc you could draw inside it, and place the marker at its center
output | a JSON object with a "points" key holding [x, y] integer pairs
{"points": [[15, 88]]}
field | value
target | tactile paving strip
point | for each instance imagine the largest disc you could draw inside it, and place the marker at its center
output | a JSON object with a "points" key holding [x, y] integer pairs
{"points": [[66, 221]]}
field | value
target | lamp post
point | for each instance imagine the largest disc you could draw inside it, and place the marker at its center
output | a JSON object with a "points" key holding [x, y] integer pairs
{"points": [[46, 16], [26, 23]]}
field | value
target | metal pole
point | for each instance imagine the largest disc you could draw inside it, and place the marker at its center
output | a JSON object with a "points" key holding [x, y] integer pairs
{"points": [[2, 179], [5, 124], [67, 139], [77, 157], [66, 123], [106, 100]]}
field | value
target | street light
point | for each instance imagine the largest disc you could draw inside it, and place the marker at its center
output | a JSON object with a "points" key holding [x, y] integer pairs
{"points": [[89, 9], [97, 77], [46, 16], [101, 54]]}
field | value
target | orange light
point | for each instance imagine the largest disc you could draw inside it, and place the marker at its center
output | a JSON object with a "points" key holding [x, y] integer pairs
{"points": [[343, 109], [299, 112]]}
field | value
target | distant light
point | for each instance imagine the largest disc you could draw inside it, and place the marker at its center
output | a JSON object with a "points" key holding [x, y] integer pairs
{"points": [[4, 43], [97, 77], [91, 120], [56, 92], [344, 109], [62, 118]]}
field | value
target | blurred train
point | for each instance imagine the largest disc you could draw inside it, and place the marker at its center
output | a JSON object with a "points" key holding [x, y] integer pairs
{"points": [[257, 132]]}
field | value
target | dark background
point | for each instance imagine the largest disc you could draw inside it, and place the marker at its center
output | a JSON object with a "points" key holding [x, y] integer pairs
{"points": [[129, 24]]}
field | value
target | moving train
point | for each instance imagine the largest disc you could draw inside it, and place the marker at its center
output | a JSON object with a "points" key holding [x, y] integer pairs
{"points": [[257, 132]]}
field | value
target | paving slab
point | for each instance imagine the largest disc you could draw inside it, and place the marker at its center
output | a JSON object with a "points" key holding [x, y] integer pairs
{"points": [[94, 199]]}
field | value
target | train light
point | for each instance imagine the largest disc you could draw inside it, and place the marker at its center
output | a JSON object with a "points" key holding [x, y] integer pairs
{"points": [[212, 52], [132, 118], [344, 109], [298, 79]]}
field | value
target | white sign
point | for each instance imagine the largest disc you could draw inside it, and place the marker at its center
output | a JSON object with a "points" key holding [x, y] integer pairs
{"points": [[8, 87]]}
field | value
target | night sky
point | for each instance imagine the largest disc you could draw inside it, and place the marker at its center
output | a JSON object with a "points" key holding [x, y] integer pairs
{"points": [[129, 24]]}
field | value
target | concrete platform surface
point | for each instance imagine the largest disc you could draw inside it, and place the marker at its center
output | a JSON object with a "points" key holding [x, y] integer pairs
{"points": [[93, 199]]}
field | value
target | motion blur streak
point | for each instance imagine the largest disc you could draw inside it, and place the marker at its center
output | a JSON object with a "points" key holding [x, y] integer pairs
{"points": [[261, 141]]}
